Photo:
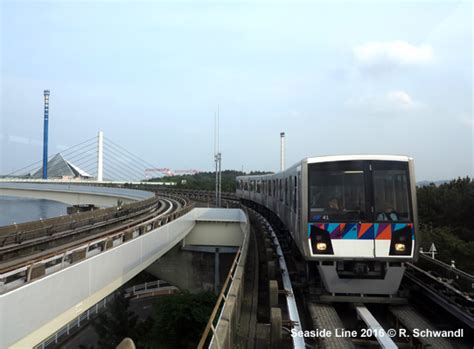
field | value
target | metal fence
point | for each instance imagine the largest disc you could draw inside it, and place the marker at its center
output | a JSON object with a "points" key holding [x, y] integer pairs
{"points": [[75, 324]]}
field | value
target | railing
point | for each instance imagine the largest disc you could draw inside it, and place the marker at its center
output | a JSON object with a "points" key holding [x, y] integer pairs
{"points": [[76, 323], [62, 259], [228, 302], [31, 230], [464, 281], [153, 288]]}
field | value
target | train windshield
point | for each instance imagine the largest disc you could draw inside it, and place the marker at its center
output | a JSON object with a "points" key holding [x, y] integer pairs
{"points": [[337, 191], [365, 191], [391, 191]]}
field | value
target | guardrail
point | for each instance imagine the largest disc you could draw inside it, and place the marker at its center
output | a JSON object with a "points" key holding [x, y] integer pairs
{"points": [[150, 289], [229, 302], [75, 324], [49, 264], [16, 233], [462, 280], [83, 318]]}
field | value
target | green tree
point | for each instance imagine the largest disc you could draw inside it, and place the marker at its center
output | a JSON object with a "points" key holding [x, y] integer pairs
{"points": [[179, 320], [119, 322], [446, 214], [206, 180]]}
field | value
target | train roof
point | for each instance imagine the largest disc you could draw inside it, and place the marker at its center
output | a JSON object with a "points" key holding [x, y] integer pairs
{"points": [[331, 158]]}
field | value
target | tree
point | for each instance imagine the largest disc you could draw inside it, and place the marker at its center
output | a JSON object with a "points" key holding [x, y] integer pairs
{"points": [[179, 320], [119, 322], [446, 215]]}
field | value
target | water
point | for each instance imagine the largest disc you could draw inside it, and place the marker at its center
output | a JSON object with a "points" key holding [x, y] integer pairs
{"points": [[19, 210]]}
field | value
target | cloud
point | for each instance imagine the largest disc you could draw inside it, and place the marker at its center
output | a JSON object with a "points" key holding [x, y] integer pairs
{"points": [[392, 53], [393, 101], [400, 99]]}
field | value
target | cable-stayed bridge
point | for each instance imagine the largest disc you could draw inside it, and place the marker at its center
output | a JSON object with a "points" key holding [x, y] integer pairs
{"points": [[86, 159]]}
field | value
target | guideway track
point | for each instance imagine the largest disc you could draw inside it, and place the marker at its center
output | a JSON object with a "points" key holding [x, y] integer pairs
{"points": [[324, 314], [19, 271], [44, 242], [458, 303]]}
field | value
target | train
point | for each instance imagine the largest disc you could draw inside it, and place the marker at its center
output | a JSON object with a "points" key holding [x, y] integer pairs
{"points": [[353, 216]]}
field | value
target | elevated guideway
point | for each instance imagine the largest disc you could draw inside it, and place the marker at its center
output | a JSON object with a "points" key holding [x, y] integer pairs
{"points": [[37, 309], [73, 194]]}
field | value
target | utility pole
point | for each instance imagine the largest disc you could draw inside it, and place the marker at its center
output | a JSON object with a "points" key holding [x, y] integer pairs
{"points": [[217, 159], [282, 151], [220, 179]]}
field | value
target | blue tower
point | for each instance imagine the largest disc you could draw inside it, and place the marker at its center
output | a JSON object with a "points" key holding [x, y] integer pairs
{"points": [[45, 134]]}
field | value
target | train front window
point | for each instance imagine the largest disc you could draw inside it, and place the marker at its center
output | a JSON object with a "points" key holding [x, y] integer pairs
{"points": [[337, 191], [391, 192]]}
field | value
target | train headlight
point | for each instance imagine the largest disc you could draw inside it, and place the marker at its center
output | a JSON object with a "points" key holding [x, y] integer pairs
{"points": [[321, 246], [400, 247]]}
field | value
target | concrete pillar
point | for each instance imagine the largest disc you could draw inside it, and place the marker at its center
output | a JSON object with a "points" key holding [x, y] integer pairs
{"points": [[216, 271]]}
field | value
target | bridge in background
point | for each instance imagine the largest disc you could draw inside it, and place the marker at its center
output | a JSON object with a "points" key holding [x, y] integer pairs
{"points": [[73, 194]]}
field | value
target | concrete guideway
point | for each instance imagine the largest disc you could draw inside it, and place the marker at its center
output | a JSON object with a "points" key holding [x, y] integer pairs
{"points": [[74, 194], [34, 311]]}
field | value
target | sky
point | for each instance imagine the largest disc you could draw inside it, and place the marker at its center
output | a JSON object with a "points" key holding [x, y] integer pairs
{"points": [[352, 77]]}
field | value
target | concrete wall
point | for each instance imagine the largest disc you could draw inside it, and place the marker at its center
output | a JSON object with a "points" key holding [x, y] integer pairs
{"points": [[31, 313], [226, 328], [189, 270], [193, 270], [209, 233]]}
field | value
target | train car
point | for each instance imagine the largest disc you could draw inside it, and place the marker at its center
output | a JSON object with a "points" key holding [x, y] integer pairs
{"points": [[354, 216]]}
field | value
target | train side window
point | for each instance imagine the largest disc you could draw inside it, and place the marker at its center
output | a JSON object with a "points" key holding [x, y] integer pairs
{"points": [[295, 192], [269, 188], [280, 189], [246, 186], [259, 185], [286, 191]]}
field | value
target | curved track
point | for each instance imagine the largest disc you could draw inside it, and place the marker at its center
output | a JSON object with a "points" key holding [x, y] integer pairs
{"points": [[319, 311], [40, 254]]}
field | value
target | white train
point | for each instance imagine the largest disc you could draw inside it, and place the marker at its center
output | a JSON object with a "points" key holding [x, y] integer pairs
{"points": [[354, 215]]}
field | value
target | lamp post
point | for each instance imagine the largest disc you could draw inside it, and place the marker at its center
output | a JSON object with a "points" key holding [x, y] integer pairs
{"points": [[282, 151]]}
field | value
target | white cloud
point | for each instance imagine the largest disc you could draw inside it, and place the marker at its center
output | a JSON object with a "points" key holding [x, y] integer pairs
{"points": [[400, 99], [393, 101], [393, 53]]}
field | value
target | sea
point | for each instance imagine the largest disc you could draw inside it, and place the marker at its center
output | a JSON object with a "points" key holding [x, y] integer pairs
{"points": [[20, 210]]}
